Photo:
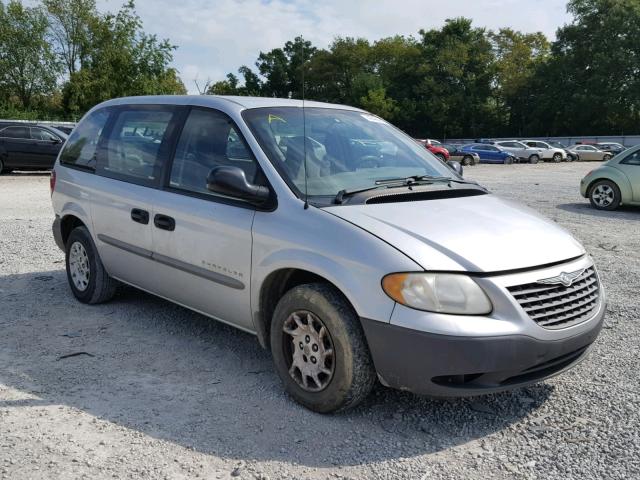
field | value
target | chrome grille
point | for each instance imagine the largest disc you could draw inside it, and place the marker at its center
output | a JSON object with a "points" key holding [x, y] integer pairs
{"points": [[557, 306]]}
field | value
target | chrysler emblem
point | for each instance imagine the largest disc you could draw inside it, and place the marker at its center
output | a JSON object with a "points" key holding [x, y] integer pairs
{"points": [[564, 278]]}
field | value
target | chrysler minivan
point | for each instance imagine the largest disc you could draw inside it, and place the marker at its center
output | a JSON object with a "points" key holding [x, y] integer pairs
{"points": [[345, 247]]}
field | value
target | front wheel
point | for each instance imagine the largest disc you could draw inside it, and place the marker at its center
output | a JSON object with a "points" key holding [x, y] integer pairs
{"points": [[508, 161], [605, 195], [534, 159], [606, 157], [89, 281], [319, 349], [467, 160]]}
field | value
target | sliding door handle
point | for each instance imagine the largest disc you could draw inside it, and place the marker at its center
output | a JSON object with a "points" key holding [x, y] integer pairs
{"points": [[164, 222]]}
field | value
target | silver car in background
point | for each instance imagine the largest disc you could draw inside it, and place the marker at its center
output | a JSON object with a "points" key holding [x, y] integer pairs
{"points": [[346, 248], [520, 150], [590, 153]]}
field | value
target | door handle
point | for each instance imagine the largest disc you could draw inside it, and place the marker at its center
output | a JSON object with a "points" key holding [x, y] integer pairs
{"points": [[164, 222], [140, 216]]}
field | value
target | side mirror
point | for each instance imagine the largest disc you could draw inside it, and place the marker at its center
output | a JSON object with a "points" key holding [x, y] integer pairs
{"points": [[232, 181], [455, 166]]}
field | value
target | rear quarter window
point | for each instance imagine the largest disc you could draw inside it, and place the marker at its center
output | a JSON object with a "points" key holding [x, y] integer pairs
{"points": [[136, 145], [82, 145]]}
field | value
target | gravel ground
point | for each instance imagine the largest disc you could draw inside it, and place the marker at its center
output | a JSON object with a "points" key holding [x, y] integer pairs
{"points": [[162, 392]]}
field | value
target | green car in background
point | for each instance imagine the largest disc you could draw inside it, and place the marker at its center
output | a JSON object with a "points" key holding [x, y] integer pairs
{"points": [[614, 183]]}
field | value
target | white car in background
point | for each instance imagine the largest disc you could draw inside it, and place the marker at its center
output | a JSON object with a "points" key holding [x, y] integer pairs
{"points": [[520, 150], [548, 152]]}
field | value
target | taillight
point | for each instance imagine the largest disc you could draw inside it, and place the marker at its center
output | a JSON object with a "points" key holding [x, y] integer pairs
{"points": [[52, 181]]}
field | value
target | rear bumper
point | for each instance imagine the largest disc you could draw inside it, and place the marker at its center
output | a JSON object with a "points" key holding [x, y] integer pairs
{"points": [[453, 366], [57, 233]]}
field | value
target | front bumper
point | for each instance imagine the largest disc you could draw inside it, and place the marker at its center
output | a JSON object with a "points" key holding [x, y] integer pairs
{"points": [[456, 355], [450, 366]]}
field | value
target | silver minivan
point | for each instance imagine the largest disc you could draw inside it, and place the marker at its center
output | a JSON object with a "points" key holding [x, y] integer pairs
{"points": [[350, 251]]}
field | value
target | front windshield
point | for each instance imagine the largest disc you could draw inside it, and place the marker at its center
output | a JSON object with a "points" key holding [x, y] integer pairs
{"points": [[345, 150]]}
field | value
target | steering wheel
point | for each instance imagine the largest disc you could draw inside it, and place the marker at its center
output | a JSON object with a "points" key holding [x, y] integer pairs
{"points": [[368, 161]]}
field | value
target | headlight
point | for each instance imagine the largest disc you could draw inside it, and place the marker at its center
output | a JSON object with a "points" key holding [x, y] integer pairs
{"points": [[437, 292]]}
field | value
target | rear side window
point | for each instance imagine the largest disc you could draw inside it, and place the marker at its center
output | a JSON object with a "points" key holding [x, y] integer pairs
{"points": [[82, 145], [15, 132], [134, 145]]}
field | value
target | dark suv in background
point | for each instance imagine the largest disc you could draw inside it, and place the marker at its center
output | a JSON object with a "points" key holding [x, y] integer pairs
{"points": [[26, 146]]}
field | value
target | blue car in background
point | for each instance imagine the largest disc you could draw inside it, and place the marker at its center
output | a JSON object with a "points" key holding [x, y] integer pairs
{"points": [[490, 153]]}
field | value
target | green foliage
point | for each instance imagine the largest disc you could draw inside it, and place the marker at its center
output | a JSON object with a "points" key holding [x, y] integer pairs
{"points": [[28, 67], [61, 57]]}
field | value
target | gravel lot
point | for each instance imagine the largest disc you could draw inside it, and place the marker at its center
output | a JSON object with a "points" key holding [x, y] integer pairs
{"points": [[166, 393]]}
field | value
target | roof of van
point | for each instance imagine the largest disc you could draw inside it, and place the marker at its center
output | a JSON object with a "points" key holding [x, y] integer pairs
{"points": [[217, 100]]}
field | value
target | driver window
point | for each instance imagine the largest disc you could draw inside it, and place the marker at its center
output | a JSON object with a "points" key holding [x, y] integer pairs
{"points": [[632, 159], [208, 140]]}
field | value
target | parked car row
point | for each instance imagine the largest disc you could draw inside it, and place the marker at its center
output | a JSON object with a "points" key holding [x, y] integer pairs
{"points": [[485, 150]]}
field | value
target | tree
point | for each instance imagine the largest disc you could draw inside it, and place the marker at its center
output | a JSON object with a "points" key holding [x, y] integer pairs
{"points": [[28, 66], [518, 56], [591, 83], [225, 87], [70, 30], [121, 60], [458, 70]]}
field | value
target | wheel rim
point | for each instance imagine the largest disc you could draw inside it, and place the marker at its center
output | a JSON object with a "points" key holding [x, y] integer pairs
{"points": [[557, 157], [534, 159], [603, 195], [79, 266], [308, 350]]}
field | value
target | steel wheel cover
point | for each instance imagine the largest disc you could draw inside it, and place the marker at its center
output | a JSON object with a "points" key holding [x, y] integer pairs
{"points": [[308, 351], [79, 266]]}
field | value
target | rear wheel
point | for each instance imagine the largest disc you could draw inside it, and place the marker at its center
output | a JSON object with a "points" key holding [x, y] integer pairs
{"points": [[508, 160], [606, 157], [319, 349], [534, 159], [89, 281], [557, 157], [605, 195], [467, 160]]}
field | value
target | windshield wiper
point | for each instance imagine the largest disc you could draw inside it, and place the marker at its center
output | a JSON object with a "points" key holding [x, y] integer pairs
{"points": [[397, 182], [412, 180]]}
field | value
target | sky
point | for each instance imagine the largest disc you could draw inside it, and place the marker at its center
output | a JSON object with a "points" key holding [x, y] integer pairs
{"points": [[215, 37]]}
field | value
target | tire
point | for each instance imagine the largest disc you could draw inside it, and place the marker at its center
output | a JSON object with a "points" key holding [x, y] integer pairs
{"points": [[606, 157], [508, 160], [605, 195], [351, 372], [557, 157], [96, 286], [533, 159], [467, 160], [441, 157]]}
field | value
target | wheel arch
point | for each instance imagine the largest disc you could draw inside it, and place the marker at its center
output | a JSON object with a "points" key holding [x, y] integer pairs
{"points": [[617, 177], [275, 285]]}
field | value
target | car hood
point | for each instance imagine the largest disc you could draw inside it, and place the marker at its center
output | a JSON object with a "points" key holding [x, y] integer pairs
{"points": [[477, 234]]}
